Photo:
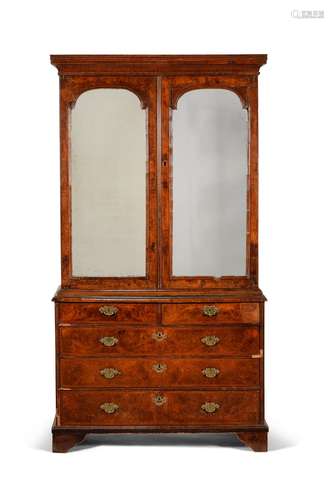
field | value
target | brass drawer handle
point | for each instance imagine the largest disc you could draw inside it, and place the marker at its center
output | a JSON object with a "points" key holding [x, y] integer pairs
{"points": [[159, 367], [108, 310], [210, 407], [210, 340], [210, 311], [159, 336], [109, 407], [109, 341], [159, 400], [210, 372], [110, 372]]}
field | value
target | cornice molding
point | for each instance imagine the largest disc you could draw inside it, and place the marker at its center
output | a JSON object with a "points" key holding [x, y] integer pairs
{"points": [[246, 64]]}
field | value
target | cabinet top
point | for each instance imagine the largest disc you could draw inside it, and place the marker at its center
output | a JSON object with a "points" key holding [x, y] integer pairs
{"points": [[158, 64]]}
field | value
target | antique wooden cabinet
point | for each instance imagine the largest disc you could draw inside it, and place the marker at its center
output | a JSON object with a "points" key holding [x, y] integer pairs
{"points": [[159, 317]]}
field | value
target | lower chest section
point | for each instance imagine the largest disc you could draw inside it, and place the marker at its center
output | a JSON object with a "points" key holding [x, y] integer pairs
{"points": [[184, 364]]}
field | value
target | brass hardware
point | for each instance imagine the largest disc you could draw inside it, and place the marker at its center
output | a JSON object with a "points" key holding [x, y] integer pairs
{"points": [[210, 407], [109, 341], [159, 400], [210, 372], [109, 407], [159, 336], [110, 372], [257, 356], [210, 311], [108, 310], [210, 340], [159, 367]]}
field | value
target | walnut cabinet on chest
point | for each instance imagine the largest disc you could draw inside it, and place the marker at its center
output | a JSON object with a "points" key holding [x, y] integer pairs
{"points": [[159, 317]]}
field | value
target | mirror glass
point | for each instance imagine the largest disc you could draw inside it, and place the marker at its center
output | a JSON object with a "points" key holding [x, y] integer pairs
{"points": [[210, 165], [108, 184]]}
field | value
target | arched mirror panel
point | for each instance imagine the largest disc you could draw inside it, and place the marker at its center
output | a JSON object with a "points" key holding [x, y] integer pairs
{"points": [[108, 156], [209, 144]]}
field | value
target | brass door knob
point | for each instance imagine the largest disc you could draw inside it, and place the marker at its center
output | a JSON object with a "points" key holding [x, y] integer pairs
{"points": [[210, 311], [210, 407], [108, 310], [210, 372], [109, 341], [110, 372], [210, 340], [109, 407]]}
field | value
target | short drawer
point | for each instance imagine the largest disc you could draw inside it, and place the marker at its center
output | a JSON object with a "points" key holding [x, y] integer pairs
{"points": [[211, 314], [159, 372], [134, 340], [106, 312], [145, 408]]}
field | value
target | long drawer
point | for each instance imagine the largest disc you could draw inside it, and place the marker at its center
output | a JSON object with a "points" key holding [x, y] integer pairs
{"points": [[160, 372], [210, 314], [126, 340], [97, 312], [144, 408]]}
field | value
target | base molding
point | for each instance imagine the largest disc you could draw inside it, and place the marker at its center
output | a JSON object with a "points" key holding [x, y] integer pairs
{"points": [[66, 437]]}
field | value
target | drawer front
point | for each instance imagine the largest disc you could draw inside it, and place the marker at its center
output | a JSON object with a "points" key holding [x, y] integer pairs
{"points": [[231, 340], [113, 313], [144, 408], [210, 314], [159, 372]]}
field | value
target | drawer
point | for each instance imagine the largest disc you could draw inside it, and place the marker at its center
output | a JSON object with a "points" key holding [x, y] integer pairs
{"points": [[229, 340], [158, 372], [210, 314], [113, 313], [145, 408]]}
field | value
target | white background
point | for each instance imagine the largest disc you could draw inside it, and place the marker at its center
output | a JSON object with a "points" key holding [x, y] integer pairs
{"points": [[296, 266]]}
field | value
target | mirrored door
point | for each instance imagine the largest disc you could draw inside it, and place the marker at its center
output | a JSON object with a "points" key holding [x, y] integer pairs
{"points": [[112, 168], [206, 217]]}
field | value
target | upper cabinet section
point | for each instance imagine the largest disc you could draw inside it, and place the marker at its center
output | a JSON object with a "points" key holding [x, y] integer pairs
{"points": [[159, 171]]}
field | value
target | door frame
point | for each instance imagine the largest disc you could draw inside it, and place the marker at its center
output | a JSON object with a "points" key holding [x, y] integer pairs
{"points": [[144, 87], [172, 88]]}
